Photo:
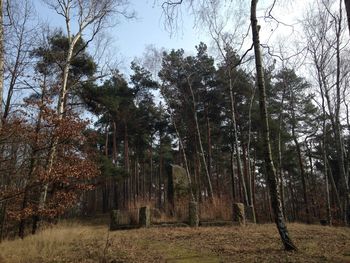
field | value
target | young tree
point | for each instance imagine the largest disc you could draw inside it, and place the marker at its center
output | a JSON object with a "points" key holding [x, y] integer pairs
{"points": [[270, 168]]}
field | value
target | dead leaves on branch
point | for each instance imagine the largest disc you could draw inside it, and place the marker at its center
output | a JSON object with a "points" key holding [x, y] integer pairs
{"points": [[25, 142]]}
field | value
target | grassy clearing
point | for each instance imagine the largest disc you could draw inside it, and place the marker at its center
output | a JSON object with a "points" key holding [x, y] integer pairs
{"points": [[73, 242]]}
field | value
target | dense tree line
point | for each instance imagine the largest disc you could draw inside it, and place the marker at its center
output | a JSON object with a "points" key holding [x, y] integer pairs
{"points": [[242, 135]]}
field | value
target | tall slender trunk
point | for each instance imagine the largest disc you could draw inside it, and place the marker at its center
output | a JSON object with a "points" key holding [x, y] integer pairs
{"points": [[209, 143], [328, 202], [270, 169], [280, 170], [313, 186], [251, 180], [126, 165], [3, 208], [300, 160], [347, 6], [114, 142], [151, 171], [61, 112], [160, 175], [1, 59], [236, 144], [292, 200], [126, 148], [210, 187], [182, 149], [302, 175], [115, 162], [334, 187], [232, 173], [14, 71], [338, 129], [32, 167]]}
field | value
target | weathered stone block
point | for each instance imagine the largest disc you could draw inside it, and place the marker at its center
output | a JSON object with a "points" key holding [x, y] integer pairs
{"points": [[193, 214], [115, 217], [238, 213], [145, 216]]}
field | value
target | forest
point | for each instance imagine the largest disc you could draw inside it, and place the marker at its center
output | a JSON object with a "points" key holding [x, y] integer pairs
{"points": [[236, 123]]}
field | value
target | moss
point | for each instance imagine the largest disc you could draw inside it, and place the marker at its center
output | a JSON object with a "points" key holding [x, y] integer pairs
{"points": [[177, 253]]}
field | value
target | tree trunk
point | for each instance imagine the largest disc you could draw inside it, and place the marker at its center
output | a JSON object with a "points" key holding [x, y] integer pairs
{"points": [[160, 176], [280, 170], [251, 180], [61, 112], [210, 187], [209, 143], [182, 149], [300, 160], [270, 169], [328, 202], [1, 58], [3, 208], [236, 144], [115, 150], [347, 6], [151, 171], [232, 173]]}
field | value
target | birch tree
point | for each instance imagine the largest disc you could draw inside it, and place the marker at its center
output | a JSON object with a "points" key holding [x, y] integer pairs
{"points": [[90, 15]]}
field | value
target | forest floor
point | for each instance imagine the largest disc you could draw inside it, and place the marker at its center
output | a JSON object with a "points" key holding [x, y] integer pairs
{"points": [[84, 242]]}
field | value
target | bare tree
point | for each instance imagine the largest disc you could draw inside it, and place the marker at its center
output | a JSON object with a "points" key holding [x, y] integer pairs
{"points": [[93, 15], [326, 43], [19, 43]]}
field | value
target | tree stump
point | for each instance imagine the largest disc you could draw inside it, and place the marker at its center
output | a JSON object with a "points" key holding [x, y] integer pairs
{"points": [[250, 214], [145, 216], [193, 214], [238, 213], [115, 218]]}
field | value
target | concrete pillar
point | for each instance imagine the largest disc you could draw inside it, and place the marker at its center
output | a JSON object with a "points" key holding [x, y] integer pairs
{"points": [[193, 214], [145, 216], [238, 214]]}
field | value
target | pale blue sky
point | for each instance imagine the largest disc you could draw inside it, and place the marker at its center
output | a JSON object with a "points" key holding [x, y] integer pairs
{"points": [[131, 36]]}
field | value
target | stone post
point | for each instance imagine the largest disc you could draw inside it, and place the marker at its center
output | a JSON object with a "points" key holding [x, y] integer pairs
{"points": [[145, 216], [238, 213], [115, 217], [250, 213], [193, 214]]}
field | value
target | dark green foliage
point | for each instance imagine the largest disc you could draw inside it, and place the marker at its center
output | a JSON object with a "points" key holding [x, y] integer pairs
{"points": [[109, 169]]}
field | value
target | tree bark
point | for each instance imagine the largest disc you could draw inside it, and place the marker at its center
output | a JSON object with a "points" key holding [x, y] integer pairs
{"points": [[347, 6], [270, 169], [300, 160], [236, 144], [1, 59], [210, 187]]}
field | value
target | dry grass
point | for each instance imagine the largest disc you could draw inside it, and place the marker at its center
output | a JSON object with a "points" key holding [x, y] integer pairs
{"points": [[73, 242]]}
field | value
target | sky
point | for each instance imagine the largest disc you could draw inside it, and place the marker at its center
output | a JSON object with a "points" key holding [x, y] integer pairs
{"points": [[130, 37]]}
